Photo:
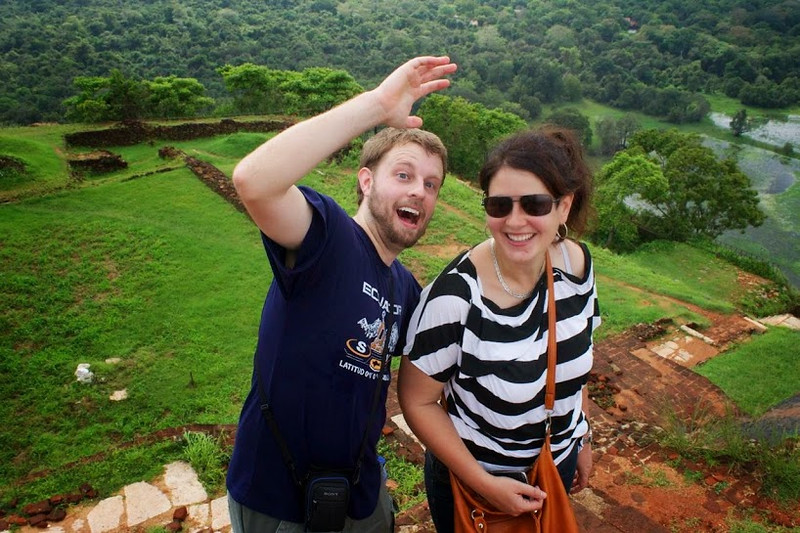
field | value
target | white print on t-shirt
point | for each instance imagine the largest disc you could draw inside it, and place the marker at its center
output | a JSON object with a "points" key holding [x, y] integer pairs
{"points": [[365, 355], [373, 293], [355, 369]]}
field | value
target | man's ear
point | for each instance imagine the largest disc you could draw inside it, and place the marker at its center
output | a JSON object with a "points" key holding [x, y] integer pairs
{"points": [[365, 179]]}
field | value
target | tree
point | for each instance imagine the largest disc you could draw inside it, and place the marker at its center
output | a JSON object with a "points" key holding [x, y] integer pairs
{"points": [[454, 120], [532, 105], [573, 90], [100, 99], [618, 199], [607, 132], [88, 105], [676, 105], [739, 123], [766, 93], [468, 130], [521, 48], [318, 89], [627, 125], [571, 118], [119, 98], [255, 88], [539, 77], [126, 97], [171, 96], [614, 133], [672, 187], [258, 89]]}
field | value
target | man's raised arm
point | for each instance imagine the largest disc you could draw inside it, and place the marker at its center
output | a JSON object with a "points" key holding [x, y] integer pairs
{"points": [[265, 179]]}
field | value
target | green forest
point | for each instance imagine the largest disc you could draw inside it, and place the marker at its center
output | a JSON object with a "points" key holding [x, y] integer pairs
{"points": [[661, 58], [610, 70]]}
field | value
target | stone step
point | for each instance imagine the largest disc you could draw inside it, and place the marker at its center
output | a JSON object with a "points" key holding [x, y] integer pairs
{"points": [[176, 496]]}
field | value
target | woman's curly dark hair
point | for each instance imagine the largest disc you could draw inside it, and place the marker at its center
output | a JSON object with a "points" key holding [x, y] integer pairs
{"points": [[556, 157]]}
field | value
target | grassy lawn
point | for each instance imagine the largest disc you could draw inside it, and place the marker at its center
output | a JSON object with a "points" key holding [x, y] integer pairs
{"points": [[727, 105], [44, 170], [760, 373], [158, 272]]}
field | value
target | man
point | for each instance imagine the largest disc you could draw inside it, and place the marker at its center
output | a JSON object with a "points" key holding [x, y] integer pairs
{"points": [[337, 306]]}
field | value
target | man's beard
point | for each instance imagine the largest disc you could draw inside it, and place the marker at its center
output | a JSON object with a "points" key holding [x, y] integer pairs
{"points": [[384, 213]]}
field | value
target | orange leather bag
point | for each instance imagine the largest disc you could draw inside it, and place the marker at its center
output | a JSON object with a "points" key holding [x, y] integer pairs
{"points": [[473, 514]]}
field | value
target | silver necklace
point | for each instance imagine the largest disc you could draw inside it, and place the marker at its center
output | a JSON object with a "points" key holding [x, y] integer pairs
{"points": [[517, 295]]}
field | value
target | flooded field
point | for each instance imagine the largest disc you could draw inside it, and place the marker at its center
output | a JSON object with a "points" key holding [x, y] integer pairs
{"points": [[774, 132], [769, 172], [776, 179]]}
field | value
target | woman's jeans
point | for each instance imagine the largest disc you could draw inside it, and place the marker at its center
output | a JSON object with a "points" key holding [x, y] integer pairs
{"points": [[440, 494]]}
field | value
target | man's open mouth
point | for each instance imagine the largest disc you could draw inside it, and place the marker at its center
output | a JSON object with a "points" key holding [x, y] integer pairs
{"points": [[408, 214]]}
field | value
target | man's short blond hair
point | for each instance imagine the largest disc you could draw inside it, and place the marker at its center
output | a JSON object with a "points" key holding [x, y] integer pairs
{"points": [[386, 139]]}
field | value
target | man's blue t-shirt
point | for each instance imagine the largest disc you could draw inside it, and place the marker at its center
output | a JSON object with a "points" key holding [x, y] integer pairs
{"points": [[319, 355]]}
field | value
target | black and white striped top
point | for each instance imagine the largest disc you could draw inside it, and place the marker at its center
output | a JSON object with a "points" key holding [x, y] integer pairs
{"points": [[493, 361]]}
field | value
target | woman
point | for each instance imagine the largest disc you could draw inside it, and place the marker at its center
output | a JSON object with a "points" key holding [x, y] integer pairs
{"points": [[479, 334]]}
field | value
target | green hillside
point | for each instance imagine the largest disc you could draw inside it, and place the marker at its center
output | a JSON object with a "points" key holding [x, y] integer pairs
{"points": [[156, 281]]}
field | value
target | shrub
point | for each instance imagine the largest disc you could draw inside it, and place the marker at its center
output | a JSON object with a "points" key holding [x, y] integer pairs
{"points": [[208, 456]]}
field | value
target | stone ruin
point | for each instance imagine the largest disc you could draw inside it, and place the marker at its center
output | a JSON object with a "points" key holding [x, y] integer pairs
{"points": [[98, 161], [132, 132]]}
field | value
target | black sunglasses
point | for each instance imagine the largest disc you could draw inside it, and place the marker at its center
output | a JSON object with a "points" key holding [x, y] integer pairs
{"points": [[535, 205]]}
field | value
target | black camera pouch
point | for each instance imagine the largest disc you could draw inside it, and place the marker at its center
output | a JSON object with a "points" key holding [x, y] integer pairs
{"points": [[327, 499]]}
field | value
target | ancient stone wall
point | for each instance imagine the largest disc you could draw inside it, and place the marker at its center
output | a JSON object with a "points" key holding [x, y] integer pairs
{"points": [[133, 132], [98, 161]]}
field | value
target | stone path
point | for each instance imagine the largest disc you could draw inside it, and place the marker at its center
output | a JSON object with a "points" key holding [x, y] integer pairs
{"points": [[176, 501], [635, 382]]}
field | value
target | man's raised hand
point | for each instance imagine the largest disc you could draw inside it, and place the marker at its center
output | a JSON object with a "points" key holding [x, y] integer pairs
{"points": [[411, 81]]}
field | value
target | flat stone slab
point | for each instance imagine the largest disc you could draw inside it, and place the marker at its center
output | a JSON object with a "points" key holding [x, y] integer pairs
{"points": [[664, 350], [106, 515], [119, 395], [789, 321], [220, 517], [184, 486], [144, 501], [199, 514]]}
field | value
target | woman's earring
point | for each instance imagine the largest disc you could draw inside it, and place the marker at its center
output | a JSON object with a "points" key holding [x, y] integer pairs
{"points": [[560, 236]]}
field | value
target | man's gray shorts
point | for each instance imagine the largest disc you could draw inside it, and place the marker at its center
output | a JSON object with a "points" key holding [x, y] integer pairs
{"points": [[245, 520]]}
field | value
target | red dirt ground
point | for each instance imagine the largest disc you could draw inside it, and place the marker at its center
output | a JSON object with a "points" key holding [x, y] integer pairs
{"points": [[637, 486]]}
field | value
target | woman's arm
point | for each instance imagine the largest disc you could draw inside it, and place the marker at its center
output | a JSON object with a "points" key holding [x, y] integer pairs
{"points": [[581, 479], [419, 395]]}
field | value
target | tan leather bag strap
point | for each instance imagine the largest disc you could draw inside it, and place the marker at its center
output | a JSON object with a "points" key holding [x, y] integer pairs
{"points": [[552, 348]]}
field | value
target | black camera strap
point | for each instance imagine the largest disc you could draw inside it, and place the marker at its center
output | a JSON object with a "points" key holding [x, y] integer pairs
{"points": [[273, 426], [266, 408]]}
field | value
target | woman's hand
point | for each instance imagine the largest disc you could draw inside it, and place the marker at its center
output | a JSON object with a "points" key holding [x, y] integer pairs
{"points": [[581, 479], [513, 497], [407, 84]]}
